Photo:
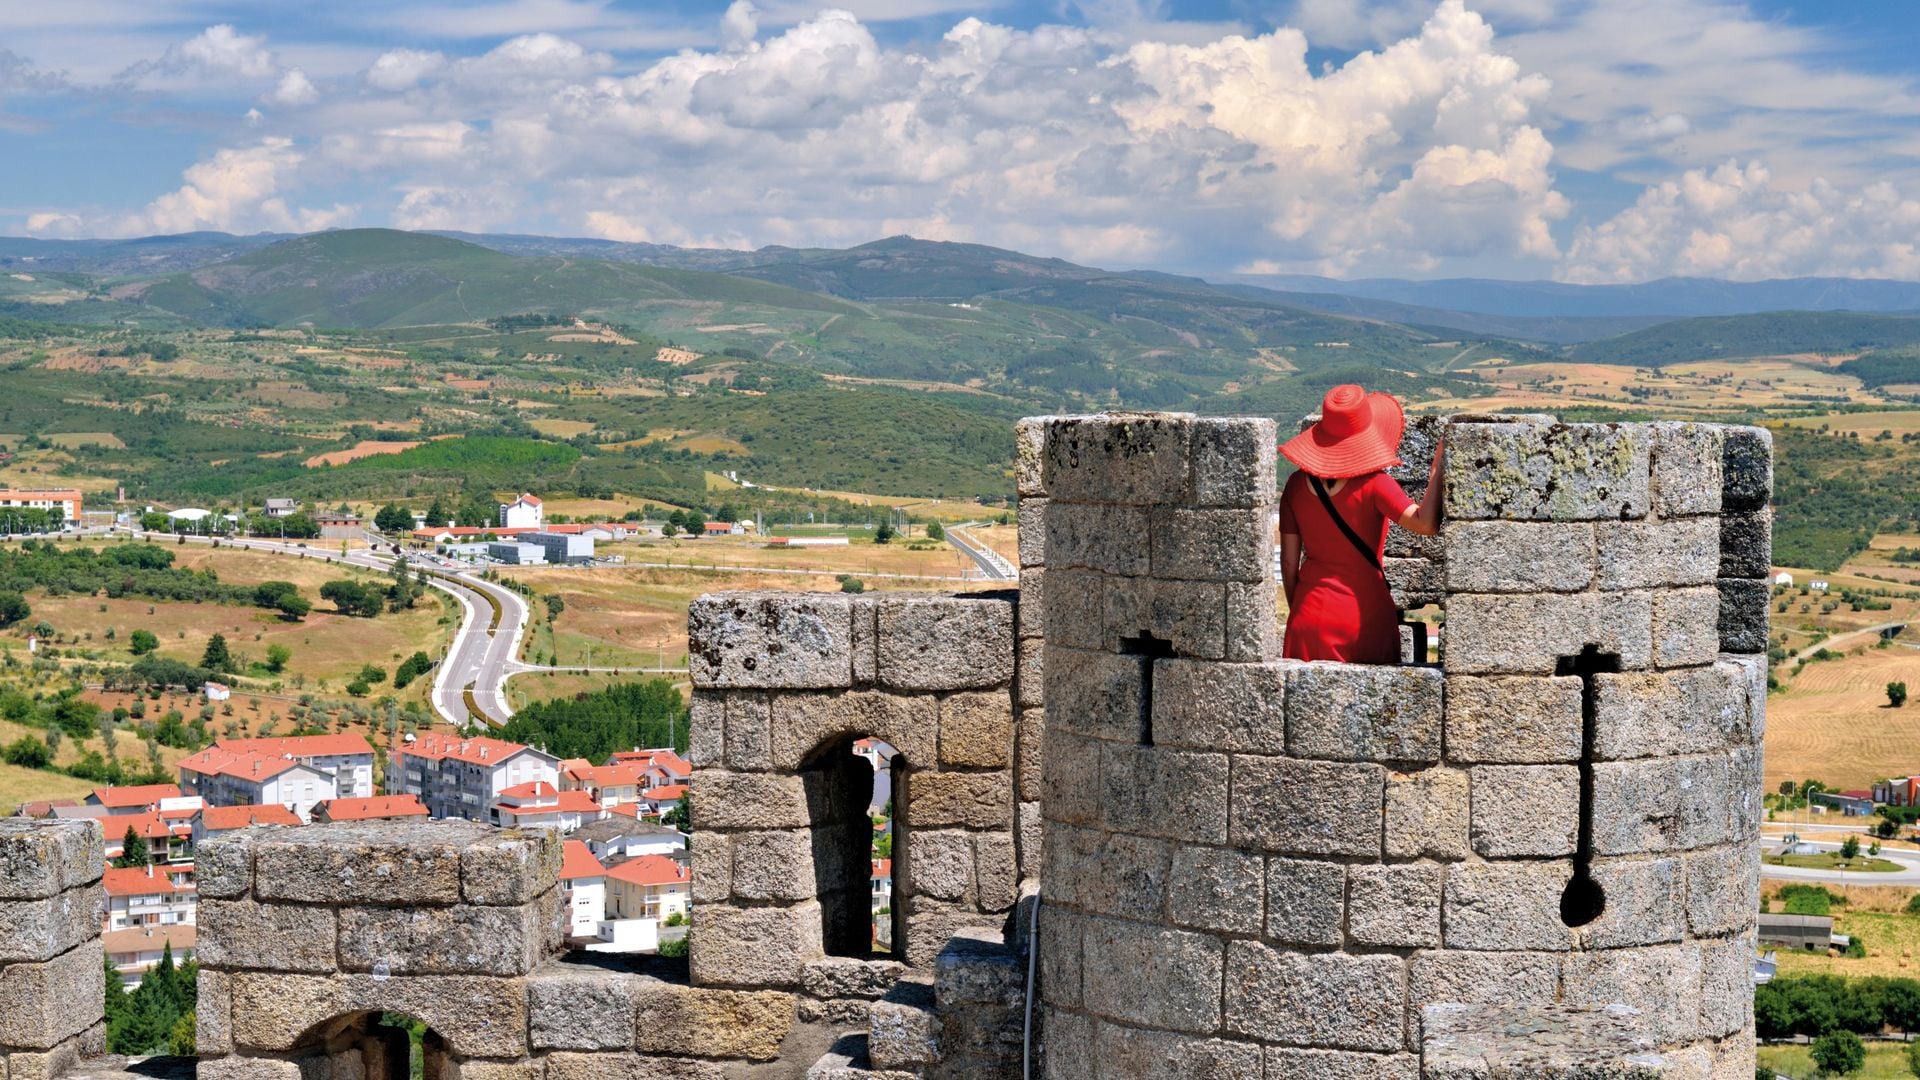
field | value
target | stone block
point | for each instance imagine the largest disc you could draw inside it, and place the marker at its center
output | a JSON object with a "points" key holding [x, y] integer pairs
{"points": [[1646, 903], [1202, 705], [1071, 781], [1160, 1055], [1662, 804], [1722, 889], [749, 741], [467, 940], [223, 865], [1506, 906], [1746, 544], [807, 724], [846, 977], [1415, 582], [930, 642], [1542, 472], [1185, 967], [747, 947], [213, 1013], [1662, 981], [1402, 544], [1028, 830], [750, 801], [587, 1011], [1515, 719], [1527, 633], [939, 863], [697, 1021], [959, 800], [1518, 556], [477, 1015], [365, 862], [1284, 1063], [1118, 458], [35, 930], [1364, 712], [1663, 714], [1743, 615], [39, 858], [1191, 615], [1029, 615], [865, 613], [1120, 874], [568, 1065], [1074, 609], [712, 868], [1726, 988], [1095, 693], [1177, 794], [247, 1068], [1029, 746], [51, 1002], [750, 640], [1687, 470], [1395, 906], [904, 1034], [1306, 901], [1525, 810], [1482, 978], [1686, 626], [1062, 935], [1066, 1047], [1029, 441], [1324, 1000], [1419, 441], [1426, 814], [1548, 1042], [513, 867], [1307, 807], [772, 865], [1253, 622], [1234, 462], [996, 871], [706, 729], [1208, 545], [1658, 554], [1109, 539], [932, 923], [976, 730], [236, 934], [1746, 462], [1030, 673], [1216, 889]]}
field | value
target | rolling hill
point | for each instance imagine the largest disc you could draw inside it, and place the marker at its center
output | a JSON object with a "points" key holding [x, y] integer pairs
{"points": [[1732, 337]]}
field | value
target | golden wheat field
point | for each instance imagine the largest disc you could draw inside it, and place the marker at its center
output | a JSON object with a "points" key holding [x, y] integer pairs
{"points": [[1832, 723]]}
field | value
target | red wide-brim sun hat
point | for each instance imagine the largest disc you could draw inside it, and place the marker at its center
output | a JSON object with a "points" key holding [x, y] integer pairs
{"points": [[1357, 433]]}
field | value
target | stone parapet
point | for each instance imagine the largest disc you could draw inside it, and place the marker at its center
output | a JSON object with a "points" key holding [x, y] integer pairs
{"points": [[52, 985]]}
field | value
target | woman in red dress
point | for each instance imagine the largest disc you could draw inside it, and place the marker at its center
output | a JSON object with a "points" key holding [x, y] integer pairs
{"points": [[1339, 606]]}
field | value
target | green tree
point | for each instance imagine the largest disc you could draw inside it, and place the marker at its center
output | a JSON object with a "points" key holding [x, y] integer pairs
{"points": [[353, 598], [696, 523], [681, 816], [298, 526], [669, 530], [13, 608], [393, 518], [405, 590], [181, 1042], [1897, 694], [142, 642], [1839, 1053], [936, 531], [1850, 848], [277, 657], [29, 752], [884, 534], [133, 850], [437, 513], [216, 658]]}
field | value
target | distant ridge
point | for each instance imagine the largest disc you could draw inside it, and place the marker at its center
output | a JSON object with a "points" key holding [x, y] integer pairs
{"points": [[1678, 297]]}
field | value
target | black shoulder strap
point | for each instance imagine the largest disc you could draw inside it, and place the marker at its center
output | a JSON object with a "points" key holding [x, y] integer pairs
{"points": [[1327, 502]]}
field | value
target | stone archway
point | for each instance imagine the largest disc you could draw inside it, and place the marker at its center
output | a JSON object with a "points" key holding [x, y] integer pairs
{"points": [[371, 1045]]}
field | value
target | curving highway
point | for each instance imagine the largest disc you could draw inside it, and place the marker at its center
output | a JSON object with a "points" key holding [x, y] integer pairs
{"points": [[1909, 875], [993, 565]]}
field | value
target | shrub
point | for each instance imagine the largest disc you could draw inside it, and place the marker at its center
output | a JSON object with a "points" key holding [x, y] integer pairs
{"points": [[674, 949], [1840, 1053], [28, 753], [143, 642]]}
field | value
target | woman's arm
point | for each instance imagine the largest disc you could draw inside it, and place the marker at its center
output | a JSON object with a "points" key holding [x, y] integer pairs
{"points": [[1423, 519], [1289, 564]]}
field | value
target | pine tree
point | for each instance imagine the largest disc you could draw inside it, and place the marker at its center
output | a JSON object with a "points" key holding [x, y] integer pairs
{"points": [[133, 850], [437, 513], [216, 658]]}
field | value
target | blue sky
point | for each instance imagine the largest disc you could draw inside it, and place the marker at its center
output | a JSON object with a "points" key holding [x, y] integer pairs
{"points": [[1585, 140]]}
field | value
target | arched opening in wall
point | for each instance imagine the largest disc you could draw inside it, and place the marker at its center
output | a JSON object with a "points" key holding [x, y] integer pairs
{"points": [[850, 785], [374, 1045]]}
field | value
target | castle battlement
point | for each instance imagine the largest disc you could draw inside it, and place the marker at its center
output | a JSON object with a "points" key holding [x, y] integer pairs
{"points": [[1540, 849]]}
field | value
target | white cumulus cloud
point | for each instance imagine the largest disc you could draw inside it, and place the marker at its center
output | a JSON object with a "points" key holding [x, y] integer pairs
{"points": [[401, 69], [294, 88]]}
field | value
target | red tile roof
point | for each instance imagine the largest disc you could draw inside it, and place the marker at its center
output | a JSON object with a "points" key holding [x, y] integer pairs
{"points": [[882, 868], [137, 881], [665, 793], [150, 826], [537, 789], [577, 861], [650, 870], [243, 764], [301, 746], [620, 775], [373, 808], [120, 798], [222, 818], [138, 939], [564, 802], [478, 750]]}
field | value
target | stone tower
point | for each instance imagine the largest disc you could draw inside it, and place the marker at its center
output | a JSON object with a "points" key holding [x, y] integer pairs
{"points": [[1258, 864]]}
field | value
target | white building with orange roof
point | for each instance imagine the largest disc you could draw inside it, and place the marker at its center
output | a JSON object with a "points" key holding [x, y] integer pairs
{"points": [[168, 841], [610, 785], [373, 808], [461, 777], [524, 512], [250, 777], [214, 820], [661, 799], [132, 799], [649, 887], [139, 949], [146, 896], [583, 889], [346, 757], [64, 501], [542, 805]]}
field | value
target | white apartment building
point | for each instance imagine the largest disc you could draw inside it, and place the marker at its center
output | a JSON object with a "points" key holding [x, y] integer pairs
{"points": [[524, 512], [649, 887], [147, 896], [347, 758], [64, 500], [583, 890], [543, 806], [464, 777], [227, 778]]}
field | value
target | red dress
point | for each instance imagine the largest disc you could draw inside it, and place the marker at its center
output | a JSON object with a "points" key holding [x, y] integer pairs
{"points": [[1341, 608]]}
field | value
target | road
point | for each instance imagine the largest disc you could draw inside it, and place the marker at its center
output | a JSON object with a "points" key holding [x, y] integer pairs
{"points": [[1843, 642], [1908, 876], [993, 565]]}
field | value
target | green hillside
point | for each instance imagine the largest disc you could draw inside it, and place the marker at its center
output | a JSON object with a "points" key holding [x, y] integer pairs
{"points": [[1729, 337]]}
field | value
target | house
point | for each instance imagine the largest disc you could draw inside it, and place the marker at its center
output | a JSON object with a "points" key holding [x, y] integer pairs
{"points": [[524, 512], [881, 879], [245, 775], [146, 896], [372, 808], [279, 508], [540, 804], [43, 808], [649, 887], [1817, 585], [464, 777], [661, 799], [214, 820], [568, 548], [63, 501], [337, 526], [583, 889], [807, 541], [217, 691], [1783, 578], [609, 785], [139, 949], [624, 838], [726, 528], [662, 765], [136, 799], [167, 841], [1849, 803], [346, 757], [1904, 791]]}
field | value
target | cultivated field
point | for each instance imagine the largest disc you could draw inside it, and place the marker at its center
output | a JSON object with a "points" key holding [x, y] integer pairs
{"points": [[861, 556], [1885, 1061], [1833, 723], [361, 449], [1696, 389]]}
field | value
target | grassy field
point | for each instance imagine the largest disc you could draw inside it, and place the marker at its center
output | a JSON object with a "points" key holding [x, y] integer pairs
{"points": [[1885, 1061], [1832, 723], [1866, 424], [18, 785], [544, 686], [860, 556], [1892, 942], [1832, 861]]}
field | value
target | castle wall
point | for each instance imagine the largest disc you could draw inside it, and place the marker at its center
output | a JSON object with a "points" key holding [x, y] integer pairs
{"points": [[1263, 864], [52, 981]]}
